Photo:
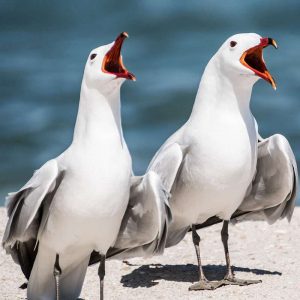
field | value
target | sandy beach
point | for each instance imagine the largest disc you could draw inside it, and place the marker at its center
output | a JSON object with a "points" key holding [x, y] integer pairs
{"points": [[258, 251]]}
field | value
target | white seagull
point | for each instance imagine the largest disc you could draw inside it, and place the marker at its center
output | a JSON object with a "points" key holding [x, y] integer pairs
{"points": [[74, 203], [214, 166]]}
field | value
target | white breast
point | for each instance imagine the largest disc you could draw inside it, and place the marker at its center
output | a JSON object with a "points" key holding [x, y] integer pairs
{"points": [[91, 201], [217, 170]]}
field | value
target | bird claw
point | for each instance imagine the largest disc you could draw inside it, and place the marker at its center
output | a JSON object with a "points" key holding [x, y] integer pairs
{"points": [[205, 285], [212, 285], [236, 281]]}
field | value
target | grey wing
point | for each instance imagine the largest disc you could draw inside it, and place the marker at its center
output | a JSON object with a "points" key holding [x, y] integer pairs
{"points": [[167, 163], [145, 223], [144, 228], [272, 195], [27, 210]]}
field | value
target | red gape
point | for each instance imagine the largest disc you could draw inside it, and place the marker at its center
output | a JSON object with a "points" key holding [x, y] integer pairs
{"points": [[112, 62]]}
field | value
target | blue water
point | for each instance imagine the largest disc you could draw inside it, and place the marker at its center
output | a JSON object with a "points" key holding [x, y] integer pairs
{"points": [[43, 48]]}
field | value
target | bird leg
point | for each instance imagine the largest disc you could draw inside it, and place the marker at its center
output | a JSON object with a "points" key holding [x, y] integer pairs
{"points": [[203, 283], [229, 277], [56, 274], [101, 274]]}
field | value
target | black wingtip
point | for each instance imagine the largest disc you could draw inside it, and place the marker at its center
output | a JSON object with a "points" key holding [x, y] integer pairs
{"points": [[23, 286]]}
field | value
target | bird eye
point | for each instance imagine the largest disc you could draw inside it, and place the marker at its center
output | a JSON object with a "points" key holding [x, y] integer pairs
{"points": [[233, 44], [93, 56]]}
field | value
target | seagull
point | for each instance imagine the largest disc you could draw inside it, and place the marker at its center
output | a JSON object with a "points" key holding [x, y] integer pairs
{"points": [[216, 166], [74, 204]]}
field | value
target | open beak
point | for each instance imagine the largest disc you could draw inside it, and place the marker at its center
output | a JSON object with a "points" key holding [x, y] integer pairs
{"points": [[253, 60], [112, 62]]}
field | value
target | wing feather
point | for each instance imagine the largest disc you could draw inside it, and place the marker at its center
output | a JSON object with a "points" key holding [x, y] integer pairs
{"points": [[26, 209], [273, 192], [145, 225]]}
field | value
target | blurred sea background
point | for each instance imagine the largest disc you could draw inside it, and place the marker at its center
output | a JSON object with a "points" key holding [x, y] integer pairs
{"points": [[44, 46]]}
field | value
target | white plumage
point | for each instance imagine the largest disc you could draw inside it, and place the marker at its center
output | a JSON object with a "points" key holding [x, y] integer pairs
{"points": [[216, 166], [74, 204]]}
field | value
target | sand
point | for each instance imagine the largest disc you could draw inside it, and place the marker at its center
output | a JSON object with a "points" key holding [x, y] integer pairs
{"points": [[258, 251]]}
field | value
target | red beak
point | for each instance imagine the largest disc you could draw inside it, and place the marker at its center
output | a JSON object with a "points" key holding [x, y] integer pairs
{"points": [[112, 62], [253, 60]]}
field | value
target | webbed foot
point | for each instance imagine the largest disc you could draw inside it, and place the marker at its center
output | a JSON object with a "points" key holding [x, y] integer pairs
{"points": [[205, 284], [236, 281]]}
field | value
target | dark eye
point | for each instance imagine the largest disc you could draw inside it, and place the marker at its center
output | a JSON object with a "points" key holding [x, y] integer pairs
{"points": [[233, 43], [93, 56]]}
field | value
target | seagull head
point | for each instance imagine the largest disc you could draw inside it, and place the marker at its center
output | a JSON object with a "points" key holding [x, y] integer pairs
{"points": [[104, 67], [242, 56]]}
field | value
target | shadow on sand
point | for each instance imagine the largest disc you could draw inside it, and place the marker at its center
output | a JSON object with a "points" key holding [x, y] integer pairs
{"points": [[147, 275]]}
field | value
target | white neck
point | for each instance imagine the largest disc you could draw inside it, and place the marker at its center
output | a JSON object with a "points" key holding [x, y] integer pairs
{"points": [[99, 116], [217, 91]]}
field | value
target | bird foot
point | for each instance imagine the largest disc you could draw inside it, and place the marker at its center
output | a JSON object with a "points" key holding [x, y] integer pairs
{"points": [[236, 281], [205, 284]]}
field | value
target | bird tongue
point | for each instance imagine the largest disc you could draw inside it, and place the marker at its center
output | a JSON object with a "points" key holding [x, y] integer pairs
{"points": [[112, 62]]}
